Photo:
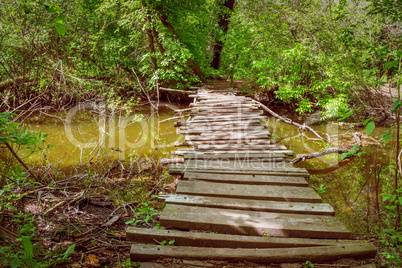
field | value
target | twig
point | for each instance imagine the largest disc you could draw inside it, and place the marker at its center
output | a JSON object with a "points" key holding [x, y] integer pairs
{"points": [[21, 162], [303, 157], [288, 121], [171, 118], [76, 198], [142, 88], [177, 90]]}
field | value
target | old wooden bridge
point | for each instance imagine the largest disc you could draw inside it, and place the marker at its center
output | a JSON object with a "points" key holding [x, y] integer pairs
{"points": [[239, 199]]}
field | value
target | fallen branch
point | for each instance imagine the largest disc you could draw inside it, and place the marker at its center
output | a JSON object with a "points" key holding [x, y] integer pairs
{"points": [[177, 90], [171, 118], [69, 201], [168, 161], [302, 157], [288, 121], [21, 162]]}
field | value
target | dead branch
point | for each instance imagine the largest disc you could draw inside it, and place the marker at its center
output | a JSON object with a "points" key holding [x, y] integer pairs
{"points": [[176, 90], [171, 118], [70, 200], [287, 120], [21, 162], [302, 157], [168, 161]]}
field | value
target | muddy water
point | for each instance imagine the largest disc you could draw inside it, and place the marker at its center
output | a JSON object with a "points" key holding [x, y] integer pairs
{"points": [[89, 133], [351, 186]]}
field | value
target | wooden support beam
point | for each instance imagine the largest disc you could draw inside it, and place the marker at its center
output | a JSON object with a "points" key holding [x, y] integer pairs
{"points": [[265, 256]]}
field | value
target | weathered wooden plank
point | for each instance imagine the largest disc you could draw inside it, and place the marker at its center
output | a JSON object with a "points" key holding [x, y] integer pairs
{"points": [[229, 116], [229, 147], [221, 130], [206, 106], [201, 239], [180, 169], [227, 111], [266, 256], [228, 136], [247, 179], [227, 123], [253, 222], [205, 141], [246, 191], [217, 120], [251, 205], [245, 164], [233, 155]]}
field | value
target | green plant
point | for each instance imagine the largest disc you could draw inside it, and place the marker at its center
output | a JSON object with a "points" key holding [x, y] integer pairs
{"points": [[129, 263], [25, 253], [309, 264], [321, 189], [352, 152], [168, 243], [145, 215]]}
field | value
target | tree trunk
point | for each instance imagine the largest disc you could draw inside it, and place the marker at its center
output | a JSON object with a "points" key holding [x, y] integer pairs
{"points": [[224, 18]]}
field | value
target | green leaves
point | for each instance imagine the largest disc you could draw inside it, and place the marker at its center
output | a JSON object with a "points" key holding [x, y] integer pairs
{"points": [[60, 28], [370, 126], [53, 8], [396, 105], [391, 64]]}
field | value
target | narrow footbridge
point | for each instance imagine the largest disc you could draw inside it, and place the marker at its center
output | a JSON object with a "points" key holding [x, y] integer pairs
{"points": [[238, 199]]}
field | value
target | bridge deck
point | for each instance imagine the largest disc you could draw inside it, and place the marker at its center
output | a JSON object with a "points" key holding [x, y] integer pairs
{"points": [[237, 185]]}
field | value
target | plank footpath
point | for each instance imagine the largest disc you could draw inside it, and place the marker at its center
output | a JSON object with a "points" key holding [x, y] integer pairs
{"points": [[238, 199]]}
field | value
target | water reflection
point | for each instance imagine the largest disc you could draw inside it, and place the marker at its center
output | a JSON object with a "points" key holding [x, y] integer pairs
{"points": [[84, 135]]}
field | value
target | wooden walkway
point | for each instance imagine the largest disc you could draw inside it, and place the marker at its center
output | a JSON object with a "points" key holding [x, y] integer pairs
{"points": [[239, 199]]}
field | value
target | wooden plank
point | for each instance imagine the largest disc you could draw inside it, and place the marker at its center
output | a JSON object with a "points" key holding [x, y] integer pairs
{"points": [[251, 205], [183, 151], [247, 179], [234, 155], [231, 147], [246, 191], [201, 239], [249, 142], [180, 169], [228, 136], [217, 120], [228, 116], [208, 106], [227, 123], [237, 164], [239, 154], [221, 129], [265, 256], [227, 110], [243, 222]]}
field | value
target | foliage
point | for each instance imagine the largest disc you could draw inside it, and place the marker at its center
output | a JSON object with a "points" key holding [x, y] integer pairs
{"points": [[13, 176], [321, 189], [145, 215], [25, 253], [352, 152]]}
